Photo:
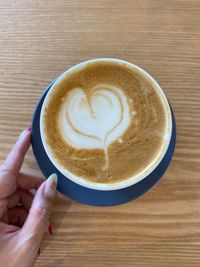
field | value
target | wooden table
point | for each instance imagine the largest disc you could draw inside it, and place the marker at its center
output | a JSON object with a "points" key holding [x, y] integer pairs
{"points": [[39, 40]]}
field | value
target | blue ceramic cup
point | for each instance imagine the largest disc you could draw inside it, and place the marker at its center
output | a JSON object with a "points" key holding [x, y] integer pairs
{"points": [[94, 193]]}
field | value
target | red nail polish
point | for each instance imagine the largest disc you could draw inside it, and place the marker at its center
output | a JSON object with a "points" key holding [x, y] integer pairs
{"points": [[28, 129], [38, 252], [50, 229]]}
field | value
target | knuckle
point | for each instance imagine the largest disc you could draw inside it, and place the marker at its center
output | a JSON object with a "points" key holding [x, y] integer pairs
{"points": [[4, 171], [6, 174], [42, 211]]}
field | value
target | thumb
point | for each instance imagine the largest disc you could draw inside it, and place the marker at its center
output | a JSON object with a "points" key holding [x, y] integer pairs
{"points": [[36, 222]]}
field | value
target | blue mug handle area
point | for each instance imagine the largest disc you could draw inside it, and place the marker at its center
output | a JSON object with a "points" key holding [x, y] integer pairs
{"points": [[91, 196]]}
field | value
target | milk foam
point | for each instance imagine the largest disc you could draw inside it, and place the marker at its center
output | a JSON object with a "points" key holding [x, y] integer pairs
{"points": [[94, 120]]}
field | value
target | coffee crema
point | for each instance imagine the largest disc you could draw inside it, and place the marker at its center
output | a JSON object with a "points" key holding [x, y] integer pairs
{"points": [[105, 122]]}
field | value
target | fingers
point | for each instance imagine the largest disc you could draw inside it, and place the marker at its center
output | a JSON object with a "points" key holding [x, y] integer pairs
{"points": [[25, 198], [29, 182], [11, 166], [5, 228], [20, 196], [15, 158], [17, 216], [37, 220]]}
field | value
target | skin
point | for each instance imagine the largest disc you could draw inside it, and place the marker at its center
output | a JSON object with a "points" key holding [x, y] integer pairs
{"points": [[23, 217]]}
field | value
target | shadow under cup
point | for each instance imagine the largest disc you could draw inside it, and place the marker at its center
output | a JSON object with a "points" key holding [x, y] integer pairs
{"points": [[95, 194]]}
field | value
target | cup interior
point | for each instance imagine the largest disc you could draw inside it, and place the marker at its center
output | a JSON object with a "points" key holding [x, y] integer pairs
{"points": [[133, 180]]}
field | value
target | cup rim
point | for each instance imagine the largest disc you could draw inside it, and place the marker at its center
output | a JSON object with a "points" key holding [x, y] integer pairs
{"points": [[132, 180]]}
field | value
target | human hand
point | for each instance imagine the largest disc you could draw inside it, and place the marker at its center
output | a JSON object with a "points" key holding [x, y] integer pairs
{"points": [[23, 217]]}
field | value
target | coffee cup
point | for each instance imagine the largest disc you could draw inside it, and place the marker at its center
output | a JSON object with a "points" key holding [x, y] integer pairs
{"points": [[105, 124]]}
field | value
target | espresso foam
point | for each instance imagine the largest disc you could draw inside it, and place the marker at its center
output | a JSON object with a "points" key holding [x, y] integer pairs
{"points": [[94, 119], [105, 122]]}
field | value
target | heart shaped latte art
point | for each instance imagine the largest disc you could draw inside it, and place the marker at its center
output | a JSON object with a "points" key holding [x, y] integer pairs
{"points": [[95, 120]]}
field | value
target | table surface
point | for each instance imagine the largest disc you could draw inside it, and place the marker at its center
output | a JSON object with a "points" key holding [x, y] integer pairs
{"points": [[39, 40]]}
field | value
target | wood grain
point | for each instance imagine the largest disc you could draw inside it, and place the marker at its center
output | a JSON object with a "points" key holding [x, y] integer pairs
{"points": [[39, 40]]}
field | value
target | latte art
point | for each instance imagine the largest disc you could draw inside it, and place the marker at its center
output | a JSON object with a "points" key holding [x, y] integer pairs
{"points": [[95, 120], [104, 123]]}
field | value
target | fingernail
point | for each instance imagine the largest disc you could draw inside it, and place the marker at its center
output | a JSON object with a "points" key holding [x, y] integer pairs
{"points": [[50, 187], [38, 252], [25, 131], [50, 229]]}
